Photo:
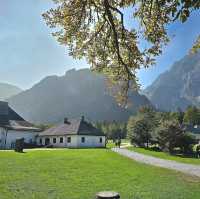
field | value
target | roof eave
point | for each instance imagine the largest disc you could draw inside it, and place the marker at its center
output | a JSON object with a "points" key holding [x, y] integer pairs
{"points": [[23, 128]]}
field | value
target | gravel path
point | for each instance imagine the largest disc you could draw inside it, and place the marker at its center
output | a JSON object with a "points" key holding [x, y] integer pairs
{"points": [[169, 164]]}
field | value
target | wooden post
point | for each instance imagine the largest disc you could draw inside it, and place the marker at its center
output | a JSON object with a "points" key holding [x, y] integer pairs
{"points": [[107, 195]]}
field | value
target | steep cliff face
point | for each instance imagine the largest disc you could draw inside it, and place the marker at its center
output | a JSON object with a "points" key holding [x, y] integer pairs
{"points": [[179, 87], [72, 95]]}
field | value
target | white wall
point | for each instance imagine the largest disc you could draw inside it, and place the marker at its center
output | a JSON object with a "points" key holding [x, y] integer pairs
{"points": [[90, 141], [12, 136], [72, 144], [2, 137]]}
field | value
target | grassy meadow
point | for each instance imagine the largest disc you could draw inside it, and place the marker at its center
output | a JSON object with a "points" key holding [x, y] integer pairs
{"points": [[79, 174], [166, 156]]}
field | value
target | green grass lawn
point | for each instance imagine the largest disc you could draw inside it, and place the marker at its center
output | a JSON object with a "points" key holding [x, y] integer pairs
{"points": [[111, 144], [79, 174], [166, 155]]}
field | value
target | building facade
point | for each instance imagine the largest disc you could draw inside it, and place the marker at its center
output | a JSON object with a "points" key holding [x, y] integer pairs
{"points": [[72, 134], [13, 127], [75, 133]]}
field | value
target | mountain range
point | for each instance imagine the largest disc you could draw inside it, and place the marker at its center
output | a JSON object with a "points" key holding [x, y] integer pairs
{"points": [[8, 90], [82, 92], [78, 92], [178, 87]]}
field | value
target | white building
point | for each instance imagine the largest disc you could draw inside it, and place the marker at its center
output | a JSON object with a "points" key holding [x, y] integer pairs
{"points": [[72, 134], [13, 127]]}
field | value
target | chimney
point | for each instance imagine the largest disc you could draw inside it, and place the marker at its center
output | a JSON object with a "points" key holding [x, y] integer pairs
{"points": [[82, 118], [3, 113], [66, 120]]}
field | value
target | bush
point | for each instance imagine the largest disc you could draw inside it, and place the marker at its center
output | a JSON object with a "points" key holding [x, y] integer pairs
{"points": [[155, 148], [186, 143]]}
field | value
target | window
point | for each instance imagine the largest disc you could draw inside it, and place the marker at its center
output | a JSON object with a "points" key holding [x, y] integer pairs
{"points": [[100, 140], [69, 139], [47, 141], [61, 140], [54, 140], [40, 140], [83, 139]]}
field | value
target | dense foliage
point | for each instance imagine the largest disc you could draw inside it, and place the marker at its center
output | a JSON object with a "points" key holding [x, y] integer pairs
{"points": [[171, 136], [166, 130], [192, 115], [113, 130], [96, 30], [140, 128]]}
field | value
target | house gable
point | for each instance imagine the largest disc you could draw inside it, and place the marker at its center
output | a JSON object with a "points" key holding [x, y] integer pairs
{"points": [[10, 120], [73, 127]]}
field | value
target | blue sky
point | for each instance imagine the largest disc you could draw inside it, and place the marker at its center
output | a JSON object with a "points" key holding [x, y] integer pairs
{"points": [[28, 52]]}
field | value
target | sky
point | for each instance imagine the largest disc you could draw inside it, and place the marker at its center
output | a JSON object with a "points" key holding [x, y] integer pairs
{"points": [[28, 52]]}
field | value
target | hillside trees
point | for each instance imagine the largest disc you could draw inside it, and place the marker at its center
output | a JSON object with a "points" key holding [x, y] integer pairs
{"points": [[96, 30], [192, 115], [164, 129], [169, 133], [187, 142], [138, 131], [172, 135], [113, 130], [179, 116], [140, 128]]}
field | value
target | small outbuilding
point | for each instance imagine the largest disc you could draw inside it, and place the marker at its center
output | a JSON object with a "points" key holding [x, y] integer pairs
{"points": [[72, 133]]}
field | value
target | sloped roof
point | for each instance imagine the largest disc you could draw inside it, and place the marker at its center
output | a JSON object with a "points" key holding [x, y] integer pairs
{"points": [[73, 127], [11, 120], [21, 125], [193, 129]]}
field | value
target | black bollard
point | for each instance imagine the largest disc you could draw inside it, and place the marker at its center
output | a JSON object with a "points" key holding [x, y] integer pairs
{"points": [[107, 195], [19, 145]]}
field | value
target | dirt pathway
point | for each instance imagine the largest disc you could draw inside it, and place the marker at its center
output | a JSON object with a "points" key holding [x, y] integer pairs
{"points": [[169, 164]]}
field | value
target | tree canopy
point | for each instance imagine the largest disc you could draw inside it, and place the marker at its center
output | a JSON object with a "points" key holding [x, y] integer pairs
{"points": [[113, 130], [95, 29], [140, 127], [160, 131], [192, 115]]}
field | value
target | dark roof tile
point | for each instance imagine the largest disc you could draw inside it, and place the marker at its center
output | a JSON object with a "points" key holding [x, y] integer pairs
{"points": [[11, 120], [73, 127]]}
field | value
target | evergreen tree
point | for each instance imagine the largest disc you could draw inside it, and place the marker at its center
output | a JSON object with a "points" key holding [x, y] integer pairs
{"points": [[192, 115], [141, 127], [169, 133]]}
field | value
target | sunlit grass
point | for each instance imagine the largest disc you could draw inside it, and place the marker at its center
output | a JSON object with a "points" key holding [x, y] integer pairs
{"points": [[79, 174]]}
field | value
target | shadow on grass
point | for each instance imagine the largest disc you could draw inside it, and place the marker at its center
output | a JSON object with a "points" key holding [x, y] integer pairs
{"points": [[21, 152]]}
